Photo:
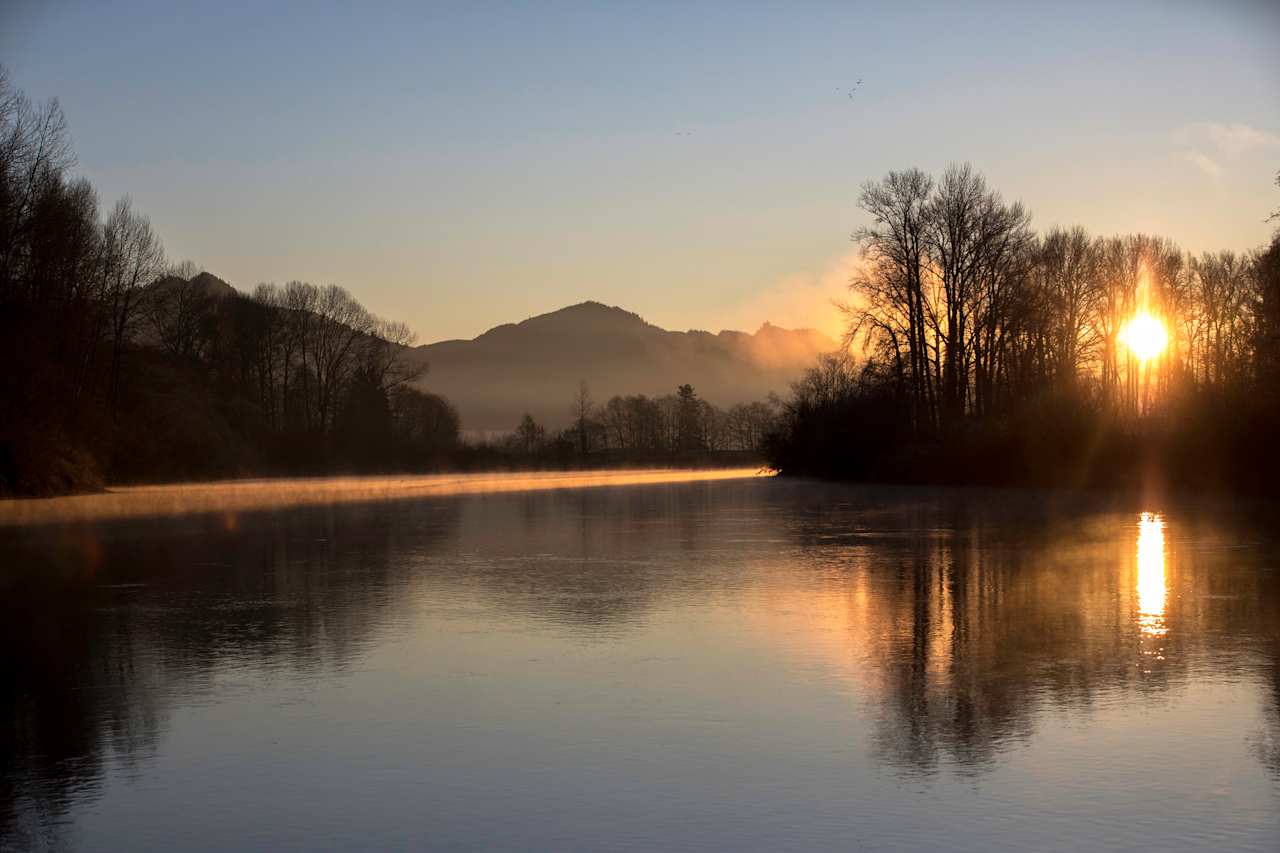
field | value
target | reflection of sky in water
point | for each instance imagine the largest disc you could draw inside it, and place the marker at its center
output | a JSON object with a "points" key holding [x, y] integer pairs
{"points": [[1152, 585], [749, 664]]}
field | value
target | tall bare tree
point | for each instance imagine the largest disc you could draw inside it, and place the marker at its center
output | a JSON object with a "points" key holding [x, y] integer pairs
{"points": [[582, 410], [1067, 277], [385, 355], [891, 307], [180, 311], [35, 150], [338, 324], [132, 258]]}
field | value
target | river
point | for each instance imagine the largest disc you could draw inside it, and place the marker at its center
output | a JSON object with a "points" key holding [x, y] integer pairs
{"points": [[657, 661]]}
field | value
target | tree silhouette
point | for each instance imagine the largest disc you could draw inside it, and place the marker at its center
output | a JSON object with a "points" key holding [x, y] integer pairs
{"points": [[994, 353], [583, 408]]}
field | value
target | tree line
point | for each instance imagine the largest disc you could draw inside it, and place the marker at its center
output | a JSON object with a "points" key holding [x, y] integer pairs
{"points": [[121, 366], [118, 365], [637, 427], [991, 350]]}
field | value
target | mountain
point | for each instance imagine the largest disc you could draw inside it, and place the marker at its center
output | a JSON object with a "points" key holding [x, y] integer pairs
{"points": [[203, 285], [173, 312], [534, 366]]}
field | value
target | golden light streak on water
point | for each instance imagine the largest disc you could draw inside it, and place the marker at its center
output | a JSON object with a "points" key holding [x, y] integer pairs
{"points": [[232, 496], [1153, 589]]}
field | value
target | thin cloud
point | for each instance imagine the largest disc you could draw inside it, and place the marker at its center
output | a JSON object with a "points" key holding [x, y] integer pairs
{"points": [[1208, 145], [1203, 162]]}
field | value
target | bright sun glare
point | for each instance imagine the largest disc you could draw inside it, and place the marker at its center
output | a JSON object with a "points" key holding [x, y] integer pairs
{"points": [[1145, 336], [1153, 588]]}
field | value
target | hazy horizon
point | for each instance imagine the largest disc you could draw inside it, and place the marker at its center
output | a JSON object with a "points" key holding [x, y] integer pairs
{"points": [[697, 166]]}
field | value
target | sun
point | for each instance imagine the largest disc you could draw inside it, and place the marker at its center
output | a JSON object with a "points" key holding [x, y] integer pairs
{"points": [[1145, 336]]}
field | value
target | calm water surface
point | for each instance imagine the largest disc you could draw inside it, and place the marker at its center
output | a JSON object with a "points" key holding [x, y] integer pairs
{"points": [[723, 665]]}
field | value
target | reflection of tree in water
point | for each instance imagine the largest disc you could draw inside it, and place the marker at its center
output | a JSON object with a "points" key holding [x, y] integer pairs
{"points": [[94, 657], [1267, 741], [985, 609], [978, 614], [107, 627], [987, 613]]}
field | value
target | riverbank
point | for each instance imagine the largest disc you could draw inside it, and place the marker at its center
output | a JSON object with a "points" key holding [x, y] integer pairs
{"points": [[1219, 445], [233, 496]]}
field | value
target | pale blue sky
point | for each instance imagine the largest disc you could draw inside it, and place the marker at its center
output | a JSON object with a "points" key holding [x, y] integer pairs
{"points": [[457, 166]]}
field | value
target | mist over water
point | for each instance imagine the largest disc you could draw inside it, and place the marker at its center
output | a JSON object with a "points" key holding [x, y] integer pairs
{"points": [[233, 496], [741, 663]]}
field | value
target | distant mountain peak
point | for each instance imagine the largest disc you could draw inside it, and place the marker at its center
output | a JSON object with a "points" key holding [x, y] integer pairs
{"points": [[588, 318], [211, 284], [593, 309], [604, 318], [205, 284], [589, 305], [534, 365]]}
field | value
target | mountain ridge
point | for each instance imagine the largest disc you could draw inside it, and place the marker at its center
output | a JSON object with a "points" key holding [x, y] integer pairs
{"points": [[534, 365], [618, 312]]}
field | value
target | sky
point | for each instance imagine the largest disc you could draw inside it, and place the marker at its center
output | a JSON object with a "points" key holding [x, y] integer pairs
{"points": [[457, 166]]}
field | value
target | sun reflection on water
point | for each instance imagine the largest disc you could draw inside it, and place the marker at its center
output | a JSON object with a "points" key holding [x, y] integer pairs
{"points": [[1153, 587]]}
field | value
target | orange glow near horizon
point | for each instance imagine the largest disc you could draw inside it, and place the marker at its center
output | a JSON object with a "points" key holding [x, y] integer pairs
{"points": [[1145, 336], [229, 497]]}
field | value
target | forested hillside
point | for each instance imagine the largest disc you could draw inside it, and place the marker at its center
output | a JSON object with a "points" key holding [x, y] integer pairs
{"points": [[119, 367]]}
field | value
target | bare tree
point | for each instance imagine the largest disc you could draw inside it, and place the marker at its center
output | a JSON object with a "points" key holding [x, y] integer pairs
{"points": [[298, 301], [713, 426], [338, 323], [1223, 296], [748, 424], [387, 359], [582, 416], [973, 239], [616, 419], [34, 150], [179, 311], [933, 299], [271, 351], [132, 258], [530, 435], [1067, 277], [891, 308]]}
